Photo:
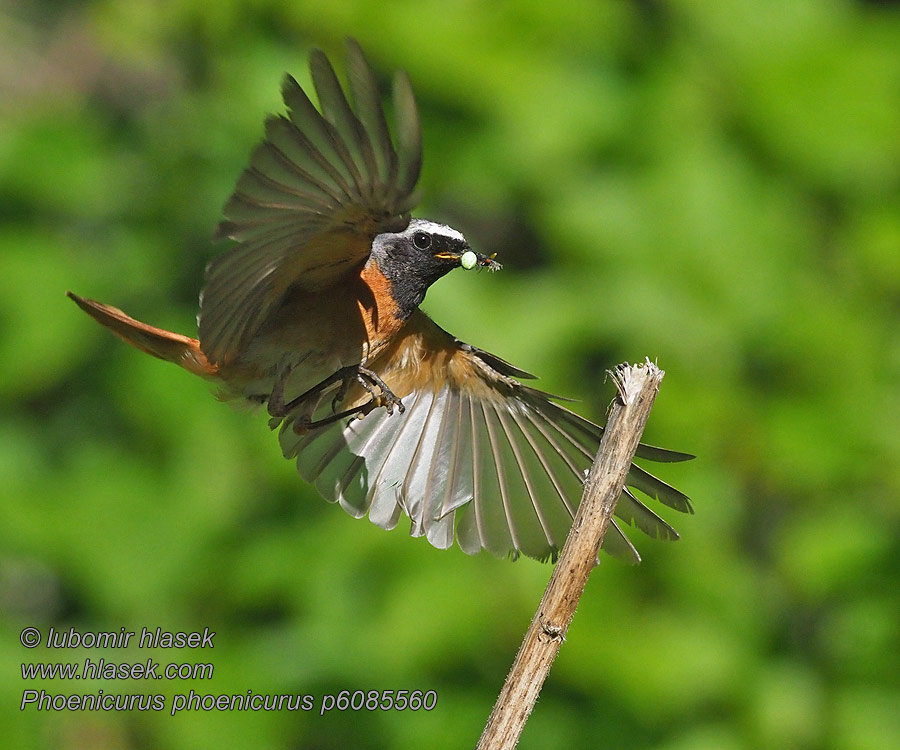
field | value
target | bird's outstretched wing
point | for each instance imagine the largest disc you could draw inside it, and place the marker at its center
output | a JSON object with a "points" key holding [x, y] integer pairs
{"points": [[318, 189], [476, 455]]}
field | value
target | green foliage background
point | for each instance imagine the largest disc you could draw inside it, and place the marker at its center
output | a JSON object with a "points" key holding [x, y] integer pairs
{"points": [[713, 184]]}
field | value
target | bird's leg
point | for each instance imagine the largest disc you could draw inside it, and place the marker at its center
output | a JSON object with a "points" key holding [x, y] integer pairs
{"points": [[278, 407], [304, 424], [345, 386]]}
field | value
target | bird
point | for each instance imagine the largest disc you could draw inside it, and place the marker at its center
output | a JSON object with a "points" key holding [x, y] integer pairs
{"points": [[313, 310]]}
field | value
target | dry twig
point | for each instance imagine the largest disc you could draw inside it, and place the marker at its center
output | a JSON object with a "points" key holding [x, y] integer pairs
{"points": [[637, 387]]}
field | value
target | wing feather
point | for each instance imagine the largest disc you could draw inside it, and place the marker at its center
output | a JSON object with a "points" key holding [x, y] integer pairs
{"points": [[502, 471], [437, 524], [349, 130], [469, 532], [490, 511], [538, 539], [414, 486], [325, 146], [390, 467], [322, 184], [409, 141], [306, 159], [476, 456], [544, 487], [364, 89], [633, 511], [618, 545]]}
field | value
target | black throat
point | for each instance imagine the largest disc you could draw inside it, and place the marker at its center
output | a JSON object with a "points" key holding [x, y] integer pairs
{"points": [[407, 287]]}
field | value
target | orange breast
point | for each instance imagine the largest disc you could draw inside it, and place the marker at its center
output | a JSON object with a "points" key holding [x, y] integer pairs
{"points": [[377, 308]]}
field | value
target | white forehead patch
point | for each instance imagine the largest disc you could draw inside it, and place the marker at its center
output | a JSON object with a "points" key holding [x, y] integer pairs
{"points": [[432, 227]]}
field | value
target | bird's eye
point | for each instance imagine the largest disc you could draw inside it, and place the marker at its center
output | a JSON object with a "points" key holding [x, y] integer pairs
{"points": [[422, 240]]}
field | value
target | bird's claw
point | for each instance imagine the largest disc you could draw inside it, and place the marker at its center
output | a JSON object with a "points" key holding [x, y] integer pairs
{"points": [[304, 422], [388, 400], [385, 398]]}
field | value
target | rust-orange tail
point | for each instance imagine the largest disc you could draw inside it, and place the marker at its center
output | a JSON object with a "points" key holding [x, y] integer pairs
{"points": [[172, 347]]}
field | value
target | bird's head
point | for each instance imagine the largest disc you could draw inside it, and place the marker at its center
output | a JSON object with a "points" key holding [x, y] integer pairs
{"points": [[412, 260]]}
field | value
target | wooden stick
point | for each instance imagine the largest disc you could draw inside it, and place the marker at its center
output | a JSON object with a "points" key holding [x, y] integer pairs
{"points": [[637, 387]]}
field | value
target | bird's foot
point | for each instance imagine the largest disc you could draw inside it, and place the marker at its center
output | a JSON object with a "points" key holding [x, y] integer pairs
{"points": [[388, 400], [386, 397], [346, 376]]}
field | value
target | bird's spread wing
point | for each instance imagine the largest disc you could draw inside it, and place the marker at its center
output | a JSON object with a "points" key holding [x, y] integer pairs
{"points": [[318, 189], [476, 455]]}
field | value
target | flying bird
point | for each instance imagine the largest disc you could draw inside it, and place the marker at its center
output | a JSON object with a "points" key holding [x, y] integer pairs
{"points": [[314, 311]]}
